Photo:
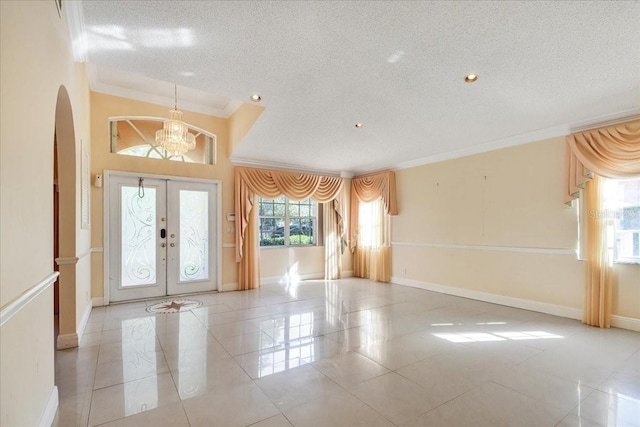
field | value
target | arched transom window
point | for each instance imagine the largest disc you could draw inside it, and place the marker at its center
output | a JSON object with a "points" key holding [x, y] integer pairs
{"points": [[135, 136]]}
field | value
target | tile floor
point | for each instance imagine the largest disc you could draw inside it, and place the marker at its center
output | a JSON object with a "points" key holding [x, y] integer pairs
{"points": [[346, 353]]}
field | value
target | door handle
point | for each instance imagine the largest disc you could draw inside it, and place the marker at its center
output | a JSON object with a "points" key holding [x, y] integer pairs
{"points": [[163, 233]]}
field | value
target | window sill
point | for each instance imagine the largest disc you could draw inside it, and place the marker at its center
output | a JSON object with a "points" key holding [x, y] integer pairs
{"points": [[628, 261], [623, 262], [290, 246]]}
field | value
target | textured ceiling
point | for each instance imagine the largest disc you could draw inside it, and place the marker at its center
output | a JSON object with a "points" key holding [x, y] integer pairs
{"points": [[397, 67]]}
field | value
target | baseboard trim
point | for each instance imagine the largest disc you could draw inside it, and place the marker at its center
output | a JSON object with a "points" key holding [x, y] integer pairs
{"points": [[625, 322], [285, 278], [67, 341], [11, 309], [97, 302], [84, 321], [50, 411], [542, 307], [346, 274], [226, 287]]}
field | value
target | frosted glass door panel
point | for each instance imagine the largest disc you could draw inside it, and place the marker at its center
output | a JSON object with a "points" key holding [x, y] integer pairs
{"points": [[138, 264], [137, 251], [194, 235], [163, 236]]}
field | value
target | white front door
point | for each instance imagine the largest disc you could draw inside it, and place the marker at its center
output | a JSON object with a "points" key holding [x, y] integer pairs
{"points": [[162, 237]]}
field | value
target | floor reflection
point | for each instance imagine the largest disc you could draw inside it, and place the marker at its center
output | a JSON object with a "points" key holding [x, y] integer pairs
{"points": [[293, 343]]}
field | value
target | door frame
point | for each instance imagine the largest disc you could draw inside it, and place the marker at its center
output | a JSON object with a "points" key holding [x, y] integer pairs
{"points": [[106, 220]]}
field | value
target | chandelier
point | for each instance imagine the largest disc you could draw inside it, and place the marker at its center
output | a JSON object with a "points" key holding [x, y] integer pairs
{"points": [[174, 136]]}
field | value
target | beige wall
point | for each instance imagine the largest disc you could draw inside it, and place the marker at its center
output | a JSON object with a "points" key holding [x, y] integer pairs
{"points": [[102, 108], [305, 261], [35, 60], [496, 223], [240, 122]]}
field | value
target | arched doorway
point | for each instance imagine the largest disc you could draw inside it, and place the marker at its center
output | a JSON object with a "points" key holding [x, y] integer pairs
{"points": [[65, 173]]}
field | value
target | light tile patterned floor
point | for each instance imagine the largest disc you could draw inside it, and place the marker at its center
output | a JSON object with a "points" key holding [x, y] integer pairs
{"points": [[346, 353]]}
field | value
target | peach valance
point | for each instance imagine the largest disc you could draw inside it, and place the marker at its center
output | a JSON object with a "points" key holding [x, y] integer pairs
{"points": [[611, 152], [272, 184], [367, 189]]}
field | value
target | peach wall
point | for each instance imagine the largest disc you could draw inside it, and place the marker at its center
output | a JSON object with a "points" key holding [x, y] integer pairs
{"points": [[105, 106], [240, 122], [496, 223]]}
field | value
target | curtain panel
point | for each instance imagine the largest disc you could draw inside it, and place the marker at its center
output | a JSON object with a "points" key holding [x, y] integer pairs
{"points": [[334, 235], [373, 260], [252, 182], [611, 152], [600, 275], [372, 257], [367, 189]]}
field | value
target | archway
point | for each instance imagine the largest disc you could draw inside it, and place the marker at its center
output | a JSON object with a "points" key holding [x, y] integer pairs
{"points": [[65, 146]]}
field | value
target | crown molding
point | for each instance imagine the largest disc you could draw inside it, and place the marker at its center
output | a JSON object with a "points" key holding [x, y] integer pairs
{"points": [[525, 138], [238, 161], [157, 98], [614, 119], [75, 23]]}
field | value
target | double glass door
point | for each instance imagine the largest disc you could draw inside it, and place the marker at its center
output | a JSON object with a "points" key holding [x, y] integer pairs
{"points": [[163, 237]]}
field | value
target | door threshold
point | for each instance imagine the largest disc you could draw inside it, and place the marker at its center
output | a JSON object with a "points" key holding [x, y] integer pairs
{"points": [[166, 297]]}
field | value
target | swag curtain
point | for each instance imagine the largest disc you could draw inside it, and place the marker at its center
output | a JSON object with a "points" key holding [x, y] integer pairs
{"points": [[610, 152], [334, 235], [371, 248], [251, 182]]}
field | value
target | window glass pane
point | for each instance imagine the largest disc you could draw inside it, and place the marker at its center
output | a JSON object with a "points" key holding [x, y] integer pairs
{"points": [[307, 226], [298, 215], [278, 209], [266, 208], [134, 137], [271, 232], [623, 207], [294, 209]]}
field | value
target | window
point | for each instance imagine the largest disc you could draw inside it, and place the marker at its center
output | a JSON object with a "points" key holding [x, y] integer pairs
{"points": [[622, 208], [136, 137], [285, 222]]}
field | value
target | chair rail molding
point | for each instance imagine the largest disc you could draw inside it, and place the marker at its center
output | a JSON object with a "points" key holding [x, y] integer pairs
{"points": [[12, 308]]}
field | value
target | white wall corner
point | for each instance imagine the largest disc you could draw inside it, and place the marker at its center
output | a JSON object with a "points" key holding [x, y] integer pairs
{"points": [[97, 302], [541, 307], [67, 341], [49, 413]]}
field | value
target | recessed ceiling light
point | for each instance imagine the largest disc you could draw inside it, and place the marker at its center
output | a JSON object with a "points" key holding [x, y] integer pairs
{"points": [[256, 98], [470, 78], [359, 125]]}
